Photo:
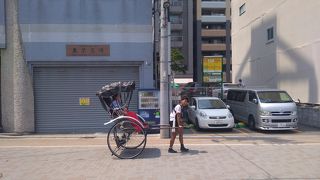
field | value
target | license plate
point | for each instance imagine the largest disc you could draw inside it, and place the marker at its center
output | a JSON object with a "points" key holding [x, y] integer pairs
{"points": [[282, 125], [217, 122]]}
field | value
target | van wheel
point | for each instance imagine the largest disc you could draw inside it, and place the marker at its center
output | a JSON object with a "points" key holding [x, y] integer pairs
{"points": [[252, 123], [197, 124]]}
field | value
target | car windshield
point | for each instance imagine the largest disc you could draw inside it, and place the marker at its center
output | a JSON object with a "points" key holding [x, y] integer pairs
{"points": [[211, 104], [274, 97]]}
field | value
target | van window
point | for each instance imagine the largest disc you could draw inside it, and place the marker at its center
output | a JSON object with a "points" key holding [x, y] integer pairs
{"points": [[231, 95], [252, 95], [236, 95], [241, 95], [274, 97]]}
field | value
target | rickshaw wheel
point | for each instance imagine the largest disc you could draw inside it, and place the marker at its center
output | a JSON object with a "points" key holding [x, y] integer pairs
{"points": [[126, 139]]}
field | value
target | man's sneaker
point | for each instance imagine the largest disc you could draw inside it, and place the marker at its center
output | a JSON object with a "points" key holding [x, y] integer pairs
{"points": [[183, 149], [170, 150]]}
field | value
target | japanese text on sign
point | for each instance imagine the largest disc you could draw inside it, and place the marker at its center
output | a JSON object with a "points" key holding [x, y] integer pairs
{"points": [[88, 50]]}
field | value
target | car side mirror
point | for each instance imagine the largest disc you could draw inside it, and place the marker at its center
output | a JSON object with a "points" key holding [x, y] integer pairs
{"points": [[255, 101], [193, 107], [228, 106]]}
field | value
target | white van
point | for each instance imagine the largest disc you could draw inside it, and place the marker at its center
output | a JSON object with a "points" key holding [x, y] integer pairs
{"points": [[266, 109]]}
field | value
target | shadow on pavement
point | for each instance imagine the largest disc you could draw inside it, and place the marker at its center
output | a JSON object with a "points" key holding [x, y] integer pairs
{"points": [[272, 140], [192, 152], [150, 153]]}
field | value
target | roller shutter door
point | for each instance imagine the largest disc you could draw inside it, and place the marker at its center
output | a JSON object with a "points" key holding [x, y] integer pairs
{"points": [[58, 91]]}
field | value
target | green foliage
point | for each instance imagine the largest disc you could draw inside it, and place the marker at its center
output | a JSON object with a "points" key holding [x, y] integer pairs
{"points": [[177, 61]]}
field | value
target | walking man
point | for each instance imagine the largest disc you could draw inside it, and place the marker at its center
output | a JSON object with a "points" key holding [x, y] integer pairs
{"points": [[177, 121]]}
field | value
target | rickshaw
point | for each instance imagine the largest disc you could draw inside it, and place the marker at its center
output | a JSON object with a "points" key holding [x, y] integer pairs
{"points": [[127, 136]]}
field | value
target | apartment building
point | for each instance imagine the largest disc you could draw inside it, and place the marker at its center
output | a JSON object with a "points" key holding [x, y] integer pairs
{"points": [[276, 44], [212, 24], [181, 34]]}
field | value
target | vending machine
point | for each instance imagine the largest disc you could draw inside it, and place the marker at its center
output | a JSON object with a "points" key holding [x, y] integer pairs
{"points": [[148, 106]]}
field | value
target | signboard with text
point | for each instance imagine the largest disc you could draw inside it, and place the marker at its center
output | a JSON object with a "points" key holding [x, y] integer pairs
{"points": [[88, 50], [212, 69]]}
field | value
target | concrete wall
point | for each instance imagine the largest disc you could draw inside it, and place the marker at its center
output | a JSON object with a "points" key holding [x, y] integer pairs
{"points": [[309, 115], [16, 85], [290, 61]]}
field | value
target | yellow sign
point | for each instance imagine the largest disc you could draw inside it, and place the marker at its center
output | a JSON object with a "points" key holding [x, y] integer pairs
{"points": [[212, 69], [212, 64], [84, 101]]}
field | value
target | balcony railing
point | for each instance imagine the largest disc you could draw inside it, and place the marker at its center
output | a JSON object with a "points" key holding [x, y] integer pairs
{"points": [[212, 18], [213, 47], [213, 33]]}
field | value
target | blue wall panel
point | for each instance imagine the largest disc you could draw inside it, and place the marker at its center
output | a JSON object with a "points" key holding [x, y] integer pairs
{"points": [[118, 52], [85, 11]]}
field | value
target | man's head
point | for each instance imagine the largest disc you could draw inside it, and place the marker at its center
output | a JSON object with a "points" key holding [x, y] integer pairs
{"points": [[184, 101], [116, 97]]}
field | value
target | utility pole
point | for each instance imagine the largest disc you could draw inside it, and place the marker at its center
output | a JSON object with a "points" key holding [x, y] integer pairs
{"points": [[228, 41], [164, 74]]}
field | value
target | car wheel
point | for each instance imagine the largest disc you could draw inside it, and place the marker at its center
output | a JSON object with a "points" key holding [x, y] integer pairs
{"points": [[197, 125], [251, 123]]}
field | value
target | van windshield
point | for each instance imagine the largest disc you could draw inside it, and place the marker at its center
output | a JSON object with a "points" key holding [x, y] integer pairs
{"points": [[274, 97], [211, 104]]}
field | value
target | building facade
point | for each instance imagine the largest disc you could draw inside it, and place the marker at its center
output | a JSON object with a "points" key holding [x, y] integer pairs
{"points": [[182, 32], [212, 25], [59, 53], [276, 44], [181, 35]]}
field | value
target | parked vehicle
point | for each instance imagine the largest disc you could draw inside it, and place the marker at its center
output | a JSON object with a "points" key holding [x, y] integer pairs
{"points": [[194, 89], [227, 86], [266, 109], [224, 90], [210, 113]]}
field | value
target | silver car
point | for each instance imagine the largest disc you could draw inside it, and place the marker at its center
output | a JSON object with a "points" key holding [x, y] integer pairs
{"points": [[210, 113]]}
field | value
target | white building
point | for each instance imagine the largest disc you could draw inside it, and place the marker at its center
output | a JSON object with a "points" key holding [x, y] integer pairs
{"points": [[276, 43]]}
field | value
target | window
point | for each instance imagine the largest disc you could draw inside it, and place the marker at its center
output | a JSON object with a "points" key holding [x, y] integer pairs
{"points": [[213, 12], [236, 95], [252, 95], [176, 3], [242, 9], [175, 19], [270, 34], [274, 97]]}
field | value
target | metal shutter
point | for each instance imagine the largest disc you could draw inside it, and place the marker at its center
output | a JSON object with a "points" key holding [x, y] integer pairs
{"points": [[57, 92]]}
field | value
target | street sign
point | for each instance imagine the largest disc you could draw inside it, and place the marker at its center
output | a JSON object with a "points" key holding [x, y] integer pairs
{"points": [[212, 69]]}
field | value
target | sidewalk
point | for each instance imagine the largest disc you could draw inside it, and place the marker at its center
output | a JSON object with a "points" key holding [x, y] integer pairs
{"points": [[84, 157]]}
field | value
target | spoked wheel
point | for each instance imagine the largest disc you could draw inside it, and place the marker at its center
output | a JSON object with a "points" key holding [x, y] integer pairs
{"points": [[126, 139]]}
